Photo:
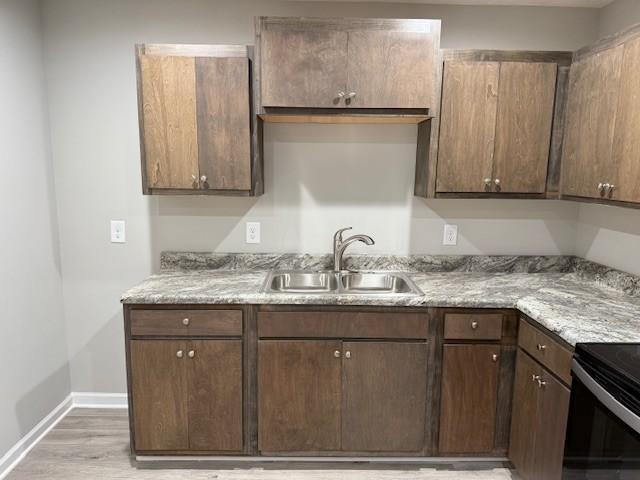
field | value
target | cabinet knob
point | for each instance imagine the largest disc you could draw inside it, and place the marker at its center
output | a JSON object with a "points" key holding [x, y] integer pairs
{"points": [[541, 383], [185, 321], [350, 95], [336, 354], [494, 357], [347, 354], [497, 182], [474, 325], [341, 94], [535, 377], [610, 189], [191, 353], [541, 347], [203, 178], [487, 181], [179, 354], [194, 177], [601, 187]]}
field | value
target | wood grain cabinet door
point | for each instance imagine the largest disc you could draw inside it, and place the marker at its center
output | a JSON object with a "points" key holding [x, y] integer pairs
{"points": [[159, 395], [299, 392], [224, 131], [383, 397], [551, 427], [523, 126], [591, 116], [468, 125], [215, 395], [626, 146], [391, 69], [524, 415], [469, 398], [302, 65], [169, 116]]}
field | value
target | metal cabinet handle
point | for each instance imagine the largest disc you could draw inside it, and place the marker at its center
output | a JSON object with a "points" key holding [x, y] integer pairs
{"points": [[347, 354], [350, 95], [191, 353], [541, 383], [203, 178], [494, 357], [194, 177], [336, 354], [341, 94], [535, 378], [487, 181], [601, 187], [185, 321], [474, 325], [497, 182], [541, 348], [179, 354]]}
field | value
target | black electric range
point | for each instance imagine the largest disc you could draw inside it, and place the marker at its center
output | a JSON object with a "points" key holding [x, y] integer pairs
{"points": [[603, 430]]}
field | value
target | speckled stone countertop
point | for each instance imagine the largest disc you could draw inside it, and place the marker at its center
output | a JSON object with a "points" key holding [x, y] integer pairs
{"points": [[578, 300]]}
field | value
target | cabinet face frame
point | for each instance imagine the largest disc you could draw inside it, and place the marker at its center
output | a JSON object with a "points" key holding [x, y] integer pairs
{"points": [[254, 185], [427, 157]]}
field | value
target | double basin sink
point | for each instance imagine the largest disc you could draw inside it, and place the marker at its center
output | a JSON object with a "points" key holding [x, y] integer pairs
{"points": [[363, 283]]}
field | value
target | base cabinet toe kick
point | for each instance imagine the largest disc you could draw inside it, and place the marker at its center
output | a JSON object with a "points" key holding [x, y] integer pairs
{"points": [[246, 381]]}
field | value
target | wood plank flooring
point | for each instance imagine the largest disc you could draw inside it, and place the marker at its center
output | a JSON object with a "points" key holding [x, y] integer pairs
{"points": [[93, 444]]}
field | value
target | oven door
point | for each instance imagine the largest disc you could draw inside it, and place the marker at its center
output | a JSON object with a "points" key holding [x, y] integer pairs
{"points": [[603, 435]]}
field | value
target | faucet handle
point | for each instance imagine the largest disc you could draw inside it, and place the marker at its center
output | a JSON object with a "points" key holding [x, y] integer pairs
{"points": [[337, 237]]}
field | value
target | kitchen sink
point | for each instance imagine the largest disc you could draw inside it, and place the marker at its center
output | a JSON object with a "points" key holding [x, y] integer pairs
{"points": [[357, 283]]}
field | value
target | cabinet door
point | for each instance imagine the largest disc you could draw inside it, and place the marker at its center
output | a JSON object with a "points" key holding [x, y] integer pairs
{"points": [[159, 394], [299, 383], [523, 126], [523, 418], [468, 125], [469, 398], [626, 146], [169, 118], [550, 429], [215, 395], [591, 117], [384, 394], [303, 67], [224, 132], [390, 69]]}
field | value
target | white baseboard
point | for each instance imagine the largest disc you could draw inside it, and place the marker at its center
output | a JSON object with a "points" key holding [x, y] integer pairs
{"points": [[30, 440], [75, 400], [99, 400]]}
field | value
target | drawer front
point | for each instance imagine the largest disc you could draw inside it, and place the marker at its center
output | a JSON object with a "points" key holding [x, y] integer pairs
{"points": [[473, 326], [222, 323], [342, 325], [546, 351]]}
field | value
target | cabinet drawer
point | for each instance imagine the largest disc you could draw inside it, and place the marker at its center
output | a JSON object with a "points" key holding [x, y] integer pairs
{"points": [[473, 326], [342, 325], [221, 323], [546, 351]]}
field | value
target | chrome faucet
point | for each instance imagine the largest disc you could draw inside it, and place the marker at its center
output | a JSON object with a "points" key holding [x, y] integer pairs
{"points": [[339, 246]]}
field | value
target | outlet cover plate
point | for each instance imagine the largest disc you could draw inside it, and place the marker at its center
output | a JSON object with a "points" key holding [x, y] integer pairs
{"points": [[118, 234], [450, 237], [253, 232]]}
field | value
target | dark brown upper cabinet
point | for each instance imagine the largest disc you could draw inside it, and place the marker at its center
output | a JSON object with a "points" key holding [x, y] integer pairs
{"points": [[197, 134], [500, 125], [347, 63], [496, 124]]}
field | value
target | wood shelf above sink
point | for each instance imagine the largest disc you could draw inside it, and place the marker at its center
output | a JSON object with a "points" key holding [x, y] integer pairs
{"points": [[347, 118]]}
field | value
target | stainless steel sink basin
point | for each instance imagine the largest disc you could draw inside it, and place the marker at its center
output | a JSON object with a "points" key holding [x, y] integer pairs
{"points": [[356, 283], [302, 282], [375, 283]]}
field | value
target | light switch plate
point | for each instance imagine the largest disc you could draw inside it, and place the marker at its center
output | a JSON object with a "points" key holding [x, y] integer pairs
{"points": [[118, 234], [253, 232], [450, 235]]}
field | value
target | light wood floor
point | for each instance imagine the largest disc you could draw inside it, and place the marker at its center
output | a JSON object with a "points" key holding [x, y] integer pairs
{"points": [[94, 444]]}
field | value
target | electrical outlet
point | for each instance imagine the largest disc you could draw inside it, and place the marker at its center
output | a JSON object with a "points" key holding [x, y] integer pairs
{"points": [[450, 235], [253, 232], [118, 231]]}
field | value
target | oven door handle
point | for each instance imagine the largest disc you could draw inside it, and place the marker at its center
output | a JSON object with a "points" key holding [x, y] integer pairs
{"points": [[608, 400]]}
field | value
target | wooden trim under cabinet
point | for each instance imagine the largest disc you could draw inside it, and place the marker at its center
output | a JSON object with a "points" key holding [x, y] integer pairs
{"points": [[546, 351], [222, 323]]}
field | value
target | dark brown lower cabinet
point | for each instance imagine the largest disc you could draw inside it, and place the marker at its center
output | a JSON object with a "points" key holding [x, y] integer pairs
{"points": [[540, 409], [187, 395], [383, 396], [469, 398], [331, 396]]}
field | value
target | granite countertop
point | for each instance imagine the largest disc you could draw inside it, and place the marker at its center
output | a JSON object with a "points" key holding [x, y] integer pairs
{"points": [[578, 300]]}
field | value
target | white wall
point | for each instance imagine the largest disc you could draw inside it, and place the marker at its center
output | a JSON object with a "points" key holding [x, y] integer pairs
{"points": [[318, 178], [34, 374], [611, 235]]}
